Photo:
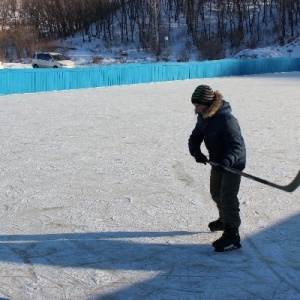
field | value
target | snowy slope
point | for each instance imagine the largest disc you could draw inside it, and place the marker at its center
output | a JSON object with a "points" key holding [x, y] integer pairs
{"points": [[101, 199], [84, 54], [289, 50]]}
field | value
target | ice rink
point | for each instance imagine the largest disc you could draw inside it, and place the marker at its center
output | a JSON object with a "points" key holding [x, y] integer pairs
{"points": [[100, 198]]}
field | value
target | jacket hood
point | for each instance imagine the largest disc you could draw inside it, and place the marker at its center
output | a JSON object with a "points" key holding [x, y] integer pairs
{"points": [[219, 106], [214, 106]]}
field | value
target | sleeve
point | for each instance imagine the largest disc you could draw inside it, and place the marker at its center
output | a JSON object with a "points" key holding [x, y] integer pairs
{"points": [[233, 140], [195, 140]]}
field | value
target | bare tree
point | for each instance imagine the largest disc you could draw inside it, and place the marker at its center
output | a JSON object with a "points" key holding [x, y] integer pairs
{"points": [[147, 22], [156, 24]]}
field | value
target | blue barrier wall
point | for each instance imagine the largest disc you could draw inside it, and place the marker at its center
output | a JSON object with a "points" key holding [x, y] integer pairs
{"points": [[16, 81]]}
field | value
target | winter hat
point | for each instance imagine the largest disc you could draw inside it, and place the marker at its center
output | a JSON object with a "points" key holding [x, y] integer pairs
{"points": [[203, 94]]}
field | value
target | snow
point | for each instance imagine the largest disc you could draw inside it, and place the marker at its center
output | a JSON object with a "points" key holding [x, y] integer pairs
{"points": [[101, 199], [94, 54], [289, 50]]}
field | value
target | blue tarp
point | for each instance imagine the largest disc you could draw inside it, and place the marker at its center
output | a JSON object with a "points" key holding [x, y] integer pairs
{"points": [[16, 81]]}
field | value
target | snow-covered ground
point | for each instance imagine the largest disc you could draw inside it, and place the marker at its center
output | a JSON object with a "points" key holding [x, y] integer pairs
{"points": [[100, 198], [289, 50], [93, 54]]}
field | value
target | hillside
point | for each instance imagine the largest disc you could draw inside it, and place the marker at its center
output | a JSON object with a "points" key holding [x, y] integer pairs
{"points": [[83, 54], [112, 32]]}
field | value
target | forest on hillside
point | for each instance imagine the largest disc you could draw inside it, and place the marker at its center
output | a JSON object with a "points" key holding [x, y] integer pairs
{"points": [[210, 25]]}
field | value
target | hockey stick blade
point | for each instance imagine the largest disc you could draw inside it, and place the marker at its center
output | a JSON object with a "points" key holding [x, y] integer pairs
{"points": [[288, 188]]}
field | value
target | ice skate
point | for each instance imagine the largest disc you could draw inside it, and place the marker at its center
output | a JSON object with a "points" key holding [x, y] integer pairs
{"points": [[230, 240]]}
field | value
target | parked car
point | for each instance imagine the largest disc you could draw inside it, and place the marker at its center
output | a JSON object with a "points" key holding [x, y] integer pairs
{"points": [[51, 60]]}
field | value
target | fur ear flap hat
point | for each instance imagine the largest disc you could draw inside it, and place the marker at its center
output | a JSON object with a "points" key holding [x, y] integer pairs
{"points": [[204, 95]]}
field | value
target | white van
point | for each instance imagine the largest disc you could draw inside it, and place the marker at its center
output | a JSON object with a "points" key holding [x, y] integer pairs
{"points": [[51, 60]]}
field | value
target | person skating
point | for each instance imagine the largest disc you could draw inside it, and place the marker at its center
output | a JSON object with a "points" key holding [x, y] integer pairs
{"points": [[219, 130]]}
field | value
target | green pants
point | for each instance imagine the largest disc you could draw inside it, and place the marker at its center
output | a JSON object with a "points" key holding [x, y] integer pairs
{"points": [[224, 188]]}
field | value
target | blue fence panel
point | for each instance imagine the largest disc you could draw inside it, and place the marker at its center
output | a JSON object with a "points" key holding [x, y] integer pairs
{"points": [[15, 81]]}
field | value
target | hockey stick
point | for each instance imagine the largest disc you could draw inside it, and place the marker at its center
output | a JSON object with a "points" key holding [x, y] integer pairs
{"points": [[288, 188]]}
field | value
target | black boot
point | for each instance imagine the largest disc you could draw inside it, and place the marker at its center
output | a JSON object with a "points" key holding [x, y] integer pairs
{"points": [[230, 240], [216, 225]]}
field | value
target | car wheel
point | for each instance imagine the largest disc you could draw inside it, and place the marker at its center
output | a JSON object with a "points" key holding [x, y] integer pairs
{"points": [[35, 66], [55, 67]]}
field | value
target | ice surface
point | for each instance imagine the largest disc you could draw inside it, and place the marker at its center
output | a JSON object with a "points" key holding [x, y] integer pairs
{"points": [[100, 198]]}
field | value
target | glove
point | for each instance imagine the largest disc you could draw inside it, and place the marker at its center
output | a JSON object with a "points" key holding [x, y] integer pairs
{"points": [[223, 163], [200, 157]]}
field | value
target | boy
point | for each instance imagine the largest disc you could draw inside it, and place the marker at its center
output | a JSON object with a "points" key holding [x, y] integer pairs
{"points": [[221, 134]]}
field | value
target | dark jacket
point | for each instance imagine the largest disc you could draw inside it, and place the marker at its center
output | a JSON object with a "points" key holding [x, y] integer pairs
{"points": [[222, 137]]}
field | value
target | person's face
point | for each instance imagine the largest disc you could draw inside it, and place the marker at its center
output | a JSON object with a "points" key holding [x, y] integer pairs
{"points": [[200, 108]]}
